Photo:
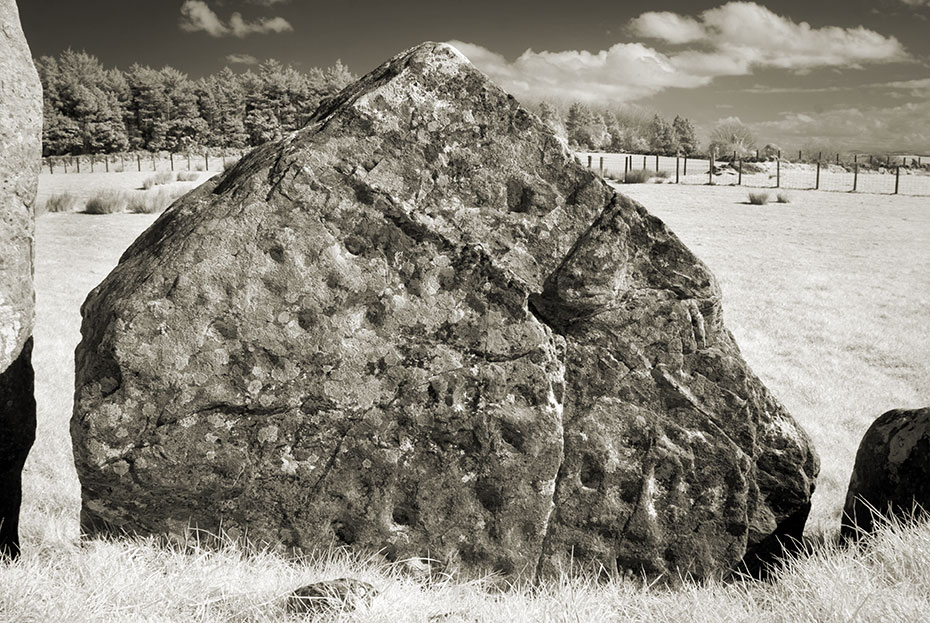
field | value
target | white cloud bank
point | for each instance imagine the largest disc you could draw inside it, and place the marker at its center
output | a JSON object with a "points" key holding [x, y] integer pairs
{"points": [[196, 16], [731, 40]]}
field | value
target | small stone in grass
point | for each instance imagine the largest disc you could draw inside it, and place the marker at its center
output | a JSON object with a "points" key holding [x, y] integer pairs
{"points": [[341, 595]]}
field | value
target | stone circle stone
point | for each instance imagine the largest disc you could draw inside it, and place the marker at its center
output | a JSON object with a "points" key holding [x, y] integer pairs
{"points": [[418, 326]]}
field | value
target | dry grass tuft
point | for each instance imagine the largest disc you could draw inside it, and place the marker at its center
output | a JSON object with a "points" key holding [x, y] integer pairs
{"points": [[783, 198], [758, 199], [154, 201], [107, 202], [188, 176], [165, 177], [62, 202], [638, 176]]}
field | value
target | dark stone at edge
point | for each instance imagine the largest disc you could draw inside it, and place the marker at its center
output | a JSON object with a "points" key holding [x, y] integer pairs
{"points": [[17, 433]]}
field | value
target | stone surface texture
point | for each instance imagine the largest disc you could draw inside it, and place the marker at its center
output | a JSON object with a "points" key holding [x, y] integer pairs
{"points": [[20, 153], [419, 326], [891, 476]]}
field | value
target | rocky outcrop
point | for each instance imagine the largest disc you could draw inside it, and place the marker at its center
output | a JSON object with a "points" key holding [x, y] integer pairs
{"points": [[891, 476], [331, 596], [419, 326], [20, 154]]}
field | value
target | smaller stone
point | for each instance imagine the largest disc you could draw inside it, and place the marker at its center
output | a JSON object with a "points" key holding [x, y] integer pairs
{"points": [[342, 595], [891, 476]]}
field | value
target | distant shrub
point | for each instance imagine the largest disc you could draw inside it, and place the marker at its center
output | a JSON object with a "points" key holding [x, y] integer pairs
{"points": [[188, 176], [230, 164], [758, 199], [62, 202], [783, 198], [663, 175], [638, 176], [153, 201], [106, 202], [165, 177]]}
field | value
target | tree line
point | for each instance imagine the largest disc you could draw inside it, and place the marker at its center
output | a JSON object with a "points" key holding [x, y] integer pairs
{"points": [[625, 130], [89, 109]]}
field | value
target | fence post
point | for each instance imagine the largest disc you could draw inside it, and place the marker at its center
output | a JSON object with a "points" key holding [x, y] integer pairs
{"points": [[626, 167], [206, 161], [684, 170], [757, 154], [837, 158], [92, 163], [51, 169], [589, 160], [78, 164], [657, 163], [106, 163], [819, 156], [122, 165], [677, 165], [855, 176], [171, 159], [817, 183], [870, 159], [739, 179], [778, 170], [644, 163], [601, 167], [154, 167], [223, 156], [64, 163], [897, 178], [710, 168], [799, 155], [139, 162]]}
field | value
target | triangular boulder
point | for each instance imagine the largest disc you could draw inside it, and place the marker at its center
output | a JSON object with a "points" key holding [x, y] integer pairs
{"points": [[419, 326]]}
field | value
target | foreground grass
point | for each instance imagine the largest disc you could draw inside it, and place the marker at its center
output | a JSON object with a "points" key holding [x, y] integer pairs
{"points": [[829, 298], [886, 579]]}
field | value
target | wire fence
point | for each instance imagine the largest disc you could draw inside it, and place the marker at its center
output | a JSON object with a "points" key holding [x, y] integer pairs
{"points": [[900, 175], [141, 161]]}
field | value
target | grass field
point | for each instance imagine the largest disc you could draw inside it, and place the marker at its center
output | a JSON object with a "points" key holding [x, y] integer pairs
{"points": [[829, 299]]}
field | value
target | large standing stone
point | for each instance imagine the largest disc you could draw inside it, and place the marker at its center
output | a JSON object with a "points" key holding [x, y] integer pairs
{"points": [[20, 153], [891, 476], [419, 326]]}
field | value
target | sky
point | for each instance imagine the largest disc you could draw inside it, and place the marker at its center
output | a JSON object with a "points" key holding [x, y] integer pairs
{"points": [[843, 74]]}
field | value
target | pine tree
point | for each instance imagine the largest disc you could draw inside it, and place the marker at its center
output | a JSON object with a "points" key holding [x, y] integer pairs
{"points": [[684, 135], [661, 137]]}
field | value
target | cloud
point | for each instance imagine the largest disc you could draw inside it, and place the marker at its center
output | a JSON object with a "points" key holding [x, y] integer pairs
{"points": [[743, 35], [668, 26], [196, 16], [624, 72], [904, 127], [241, 59], [731, 40]]}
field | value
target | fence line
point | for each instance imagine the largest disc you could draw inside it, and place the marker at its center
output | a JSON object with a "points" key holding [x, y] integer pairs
{"points": [[141, 162], [907, 175]]}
